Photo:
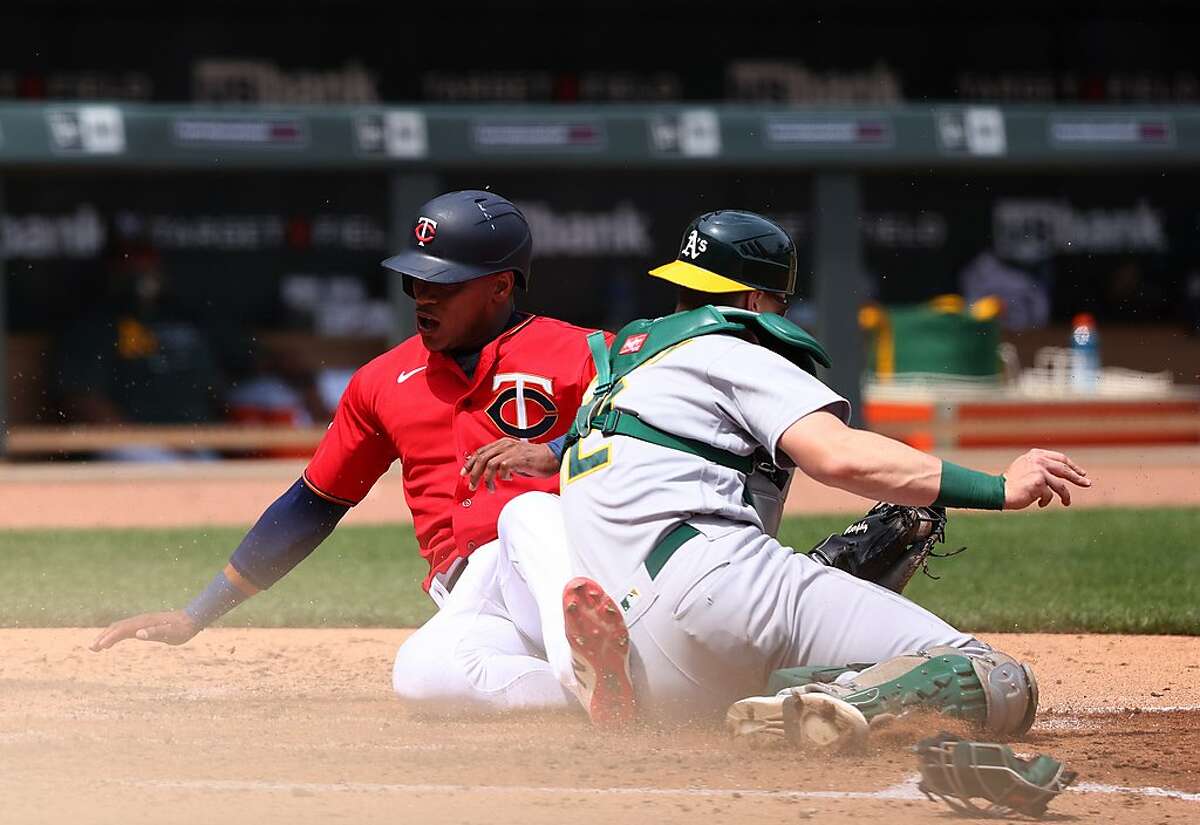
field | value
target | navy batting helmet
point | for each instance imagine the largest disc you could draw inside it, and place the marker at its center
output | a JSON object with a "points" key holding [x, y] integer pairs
{"points": [[461, 236]]}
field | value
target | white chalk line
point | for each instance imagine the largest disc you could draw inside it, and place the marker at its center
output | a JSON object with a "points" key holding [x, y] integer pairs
{"points": [[1075, 719], [33, 736], [1094, 787], [906, 790], [1108, 711]]}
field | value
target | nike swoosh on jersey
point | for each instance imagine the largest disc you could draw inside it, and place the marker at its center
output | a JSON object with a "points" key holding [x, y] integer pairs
{"points": [[404, 376]]}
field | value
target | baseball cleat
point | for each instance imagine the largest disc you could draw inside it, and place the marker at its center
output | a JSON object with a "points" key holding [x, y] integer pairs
{"points": [[757, 720], [822, 722], [804, 720], [599, 644]]}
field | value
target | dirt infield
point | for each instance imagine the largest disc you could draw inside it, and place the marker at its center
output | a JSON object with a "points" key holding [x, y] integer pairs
{"points": [[297, 726], [235, 492]]}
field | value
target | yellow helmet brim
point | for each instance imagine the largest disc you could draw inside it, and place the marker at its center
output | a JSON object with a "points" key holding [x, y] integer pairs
{"points": [[697, 278]]}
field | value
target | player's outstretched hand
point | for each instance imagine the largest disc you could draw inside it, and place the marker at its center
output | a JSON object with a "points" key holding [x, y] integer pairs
{"points": [[173, 627], [506, 457], [1039, 476]]}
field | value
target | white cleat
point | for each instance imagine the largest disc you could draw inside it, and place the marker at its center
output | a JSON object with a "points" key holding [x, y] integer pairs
{"points": [[823, 722], [757, 720], [805, 720]]}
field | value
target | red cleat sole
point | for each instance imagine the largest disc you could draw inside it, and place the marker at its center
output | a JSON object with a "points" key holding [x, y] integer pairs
{"points": [[599, 643]]}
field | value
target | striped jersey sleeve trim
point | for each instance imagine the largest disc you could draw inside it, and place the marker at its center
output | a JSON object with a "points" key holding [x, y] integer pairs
{"points": [[345, 502]]}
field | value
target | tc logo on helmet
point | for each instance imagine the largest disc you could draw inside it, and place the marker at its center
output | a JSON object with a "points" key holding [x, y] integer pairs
{"points": [[694, 246], [425, 230]]}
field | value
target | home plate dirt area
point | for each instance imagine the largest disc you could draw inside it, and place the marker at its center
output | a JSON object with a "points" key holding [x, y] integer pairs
{"points": [[262, 726]]}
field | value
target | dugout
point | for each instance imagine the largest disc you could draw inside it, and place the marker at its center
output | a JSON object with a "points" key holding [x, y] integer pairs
{"points": [[890, 201]]}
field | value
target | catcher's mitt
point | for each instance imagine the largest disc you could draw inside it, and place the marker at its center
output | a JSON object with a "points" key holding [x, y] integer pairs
{"points": [[957, 771], [887, 545]]}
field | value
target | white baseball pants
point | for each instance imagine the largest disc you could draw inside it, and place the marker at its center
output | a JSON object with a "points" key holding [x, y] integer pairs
{"points": [[726, 611], [483, 652]]}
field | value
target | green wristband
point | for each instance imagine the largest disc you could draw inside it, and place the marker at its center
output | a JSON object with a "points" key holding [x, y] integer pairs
{"points": [[963, 487]]}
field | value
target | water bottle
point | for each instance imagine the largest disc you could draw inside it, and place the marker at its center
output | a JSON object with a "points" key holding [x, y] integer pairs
{"points": [[1085, 353]]}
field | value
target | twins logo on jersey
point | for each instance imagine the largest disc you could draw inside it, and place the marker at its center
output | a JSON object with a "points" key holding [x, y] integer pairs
{"points": [[524, 406]]}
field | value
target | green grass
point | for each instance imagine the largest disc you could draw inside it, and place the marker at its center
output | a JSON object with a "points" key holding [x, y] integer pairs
{"points": [[1103, 571], [1135, 571], [360, 576]]}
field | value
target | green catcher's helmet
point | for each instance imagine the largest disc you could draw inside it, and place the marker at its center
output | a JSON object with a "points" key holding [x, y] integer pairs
{"points": [[733, 251]]}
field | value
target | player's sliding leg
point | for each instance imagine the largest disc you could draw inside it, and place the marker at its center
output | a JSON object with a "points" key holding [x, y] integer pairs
{"points": [[471, 657], [534, 542]]}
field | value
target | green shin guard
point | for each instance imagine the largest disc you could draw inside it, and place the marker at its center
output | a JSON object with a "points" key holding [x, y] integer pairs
{"points": [[946, 683], [994, 691]]}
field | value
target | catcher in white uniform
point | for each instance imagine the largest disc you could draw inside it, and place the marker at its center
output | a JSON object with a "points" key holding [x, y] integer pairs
{"points": [[686, 605]]}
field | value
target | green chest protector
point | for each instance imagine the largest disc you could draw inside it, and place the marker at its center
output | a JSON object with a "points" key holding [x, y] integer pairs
{"points": [[640, 341]]}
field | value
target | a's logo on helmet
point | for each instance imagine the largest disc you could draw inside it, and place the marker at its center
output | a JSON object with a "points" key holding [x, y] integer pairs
{"points": [[524, 406], [425, 230], [694, 245]]}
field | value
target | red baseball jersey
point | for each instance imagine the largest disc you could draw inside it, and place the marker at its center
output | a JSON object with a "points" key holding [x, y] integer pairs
{"points": [[420, 407]]}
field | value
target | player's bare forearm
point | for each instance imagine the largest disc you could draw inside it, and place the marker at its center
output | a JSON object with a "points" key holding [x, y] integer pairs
{"points": [[506, 457], [875, 466], [861, 462]]}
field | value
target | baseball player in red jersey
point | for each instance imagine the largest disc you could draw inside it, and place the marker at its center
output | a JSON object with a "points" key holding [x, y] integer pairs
{"points": [[477, 373], [419, 406]]}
